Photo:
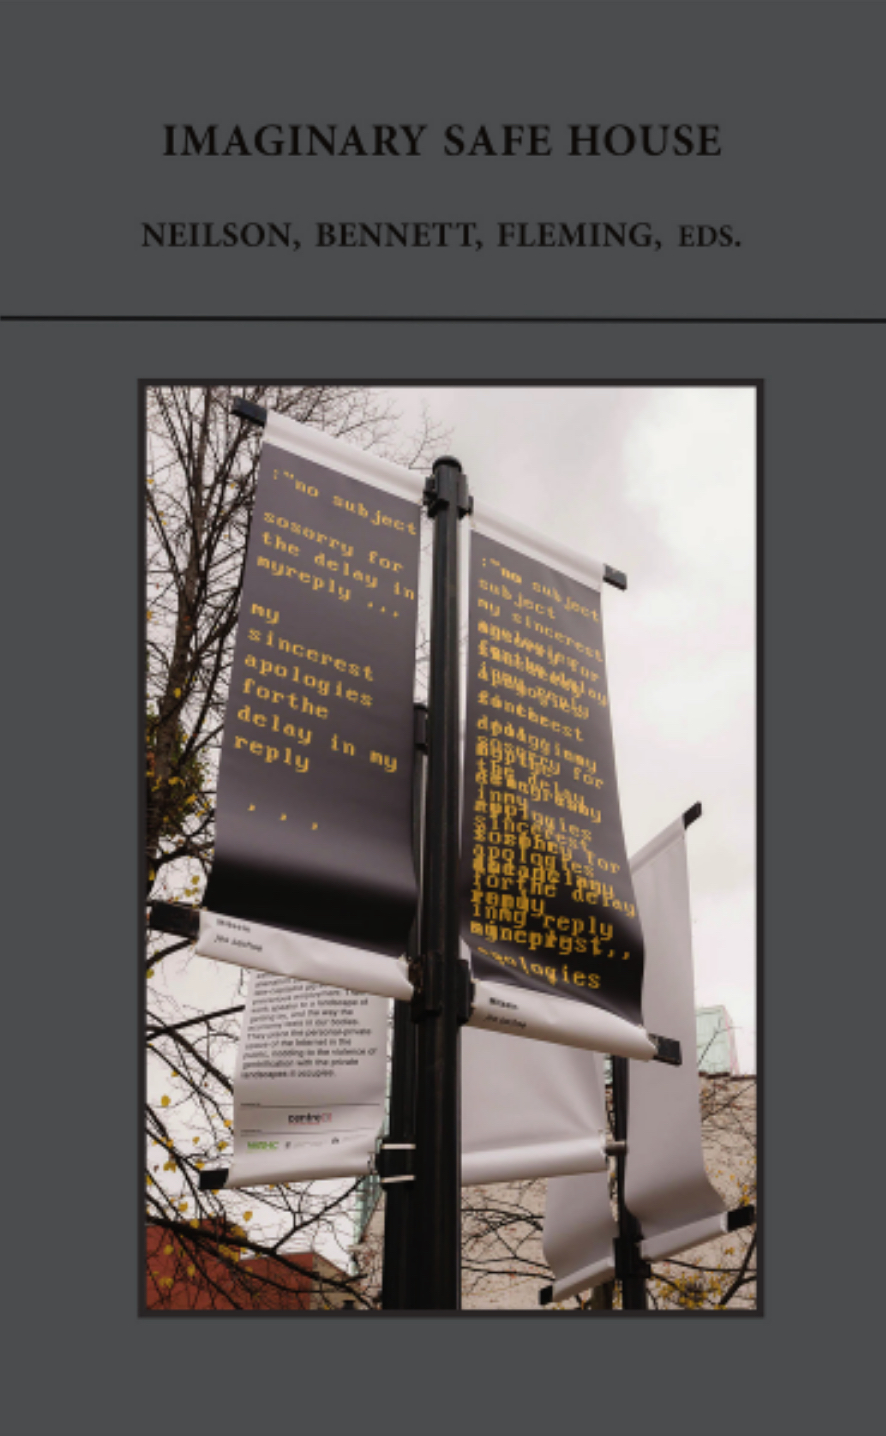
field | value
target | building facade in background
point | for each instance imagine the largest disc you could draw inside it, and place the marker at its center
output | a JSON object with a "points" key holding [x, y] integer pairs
{"points": [[183, 1279], [715, 1041]]}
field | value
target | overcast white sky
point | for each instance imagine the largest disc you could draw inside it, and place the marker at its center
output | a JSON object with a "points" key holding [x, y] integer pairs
{"points": [[659, 483]]}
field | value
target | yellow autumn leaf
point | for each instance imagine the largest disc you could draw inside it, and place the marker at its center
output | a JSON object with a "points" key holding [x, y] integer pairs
{"points": [[247, 1216], [150, 974], [164, 1101]]}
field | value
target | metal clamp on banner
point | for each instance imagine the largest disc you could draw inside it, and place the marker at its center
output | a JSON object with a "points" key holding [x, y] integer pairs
{"points": [[213, 1181], [253, 413], [427, 975], [546, 1296], [667, 1049], [426, 996], [420, 727], [395, 1162], [172, 917], [629, 1265], [741, 1217], [465, 993], [450, 486]]}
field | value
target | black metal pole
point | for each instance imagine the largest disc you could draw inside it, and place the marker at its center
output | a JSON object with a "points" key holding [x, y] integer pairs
{"points": [[399, 1197], [631, 1270], [440, 1004]]}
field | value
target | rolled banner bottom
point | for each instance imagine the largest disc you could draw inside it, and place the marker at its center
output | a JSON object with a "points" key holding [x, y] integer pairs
{"points": [[500, 1007], [680, 1239], [309, 1162], [293, 954], [590, 1276], [497, 1006], [528, 1162]]}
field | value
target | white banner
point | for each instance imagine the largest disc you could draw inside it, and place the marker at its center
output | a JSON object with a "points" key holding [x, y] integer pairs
{"points": [[529, 1110], [666, 1186], [293, 954], [309, 1084]]}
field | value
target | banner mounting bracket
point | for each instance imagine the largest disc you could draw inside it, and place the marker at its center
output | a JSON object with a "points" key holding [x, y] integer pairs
{"points": [[175, 918], [447, 485], [691, 814], [252, 413], [667, 1050], [395, 1162], [427, 974], [741, 1217], [213, 1181]]}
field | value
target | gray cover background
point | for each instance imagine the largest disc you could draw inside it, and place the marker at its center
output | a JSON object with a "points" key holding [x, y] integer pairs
{"points": [[85, 92]]}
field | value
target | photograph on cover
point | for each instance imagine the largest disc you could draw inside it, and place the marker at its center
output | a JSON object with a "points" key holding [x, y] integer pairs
{"points": [[451, 967]]}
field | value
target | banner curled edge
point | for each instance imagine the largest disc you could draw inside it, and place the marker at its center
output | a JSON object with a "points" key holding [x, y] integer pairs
{"points": [[293, 954], [501, 1007]]}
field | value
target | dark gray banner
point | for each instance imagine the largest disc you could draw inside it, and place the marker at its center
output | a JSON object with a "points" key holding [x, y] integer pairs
{"points": [[547, 898], [315, 787]]}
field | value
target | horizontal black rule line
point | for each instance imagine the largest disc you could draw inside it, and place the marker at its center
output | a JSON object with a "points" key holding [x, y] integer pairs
{"points": [[437, 319]]}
